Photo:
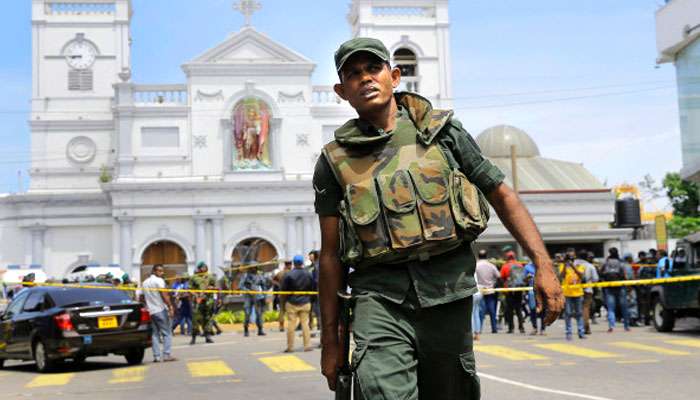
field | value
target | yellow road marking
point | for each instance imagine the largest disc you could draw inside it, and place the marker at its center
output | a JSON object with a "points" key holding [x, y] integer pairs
{"points": [[508, 353], [50, 380], [262, 353], [126, 375], [653, 349], [209, 368], [685, 342], [202, 358], [636, 361], [576, 350], [286, 364], [209, 382], [567, 363]]}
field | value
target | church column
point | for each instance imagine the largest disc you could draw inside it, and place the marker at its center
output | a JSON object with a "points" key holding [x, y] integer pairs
{"points": [[199, 238], [217, 252], [308, 234], [37, 233], [123, 125], [125, 247], [291, 235]]}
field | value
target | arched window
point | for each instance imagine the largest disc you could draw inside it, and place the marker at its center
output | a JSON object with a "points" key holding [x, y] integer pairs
{"points": [[251, 135], [405, 60], [251, 251]]}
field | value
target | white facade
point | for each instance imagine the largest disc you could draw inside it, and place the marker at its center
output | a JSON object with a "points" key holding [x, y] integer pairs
{"points": [[678, 41], [225, 157]]}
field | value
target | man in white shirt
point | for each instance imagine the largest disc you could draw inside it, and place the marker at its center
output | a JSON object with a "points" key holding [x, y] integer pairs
{"points": [[487, 276], [161, 310], [590, 275]]}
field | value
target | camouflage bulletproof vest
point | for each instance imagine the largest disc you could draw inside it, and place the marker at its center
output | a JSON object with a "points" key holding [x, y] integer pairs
{"points": [[402, 198]]}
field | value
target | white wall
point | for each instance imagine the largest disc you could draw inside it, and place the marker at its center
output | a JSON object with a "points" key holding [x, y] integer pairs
{"points": [[63, 245]]}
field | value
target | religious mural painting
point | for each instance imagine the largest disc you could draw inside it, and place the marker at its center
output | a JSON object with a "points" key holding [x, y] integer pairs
{"points": [[251, 135]]}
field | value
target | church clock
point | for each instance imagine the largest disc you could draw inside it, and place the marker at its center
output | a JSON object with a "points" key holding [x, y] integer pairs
{"points": [[80, 54]]}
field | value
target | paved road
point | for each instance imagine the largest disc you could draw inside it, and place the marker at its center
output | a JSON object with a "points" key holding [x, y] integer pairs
{"points": [[638, 365]]}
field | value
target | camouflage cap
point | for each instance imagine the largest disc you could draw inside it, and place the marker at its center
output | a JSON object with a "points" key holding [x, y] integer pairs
{"points": [[352, 46]]}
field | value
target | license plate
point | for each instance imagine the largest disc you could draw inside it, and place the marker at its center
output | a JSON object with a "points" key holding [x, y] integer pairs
{"points": [[107, 322]]}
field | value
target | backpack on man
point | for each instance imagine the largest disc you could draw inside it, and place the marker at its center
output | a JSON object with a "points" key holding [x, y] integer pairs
{"points": [[516, 277], [613, 270]]}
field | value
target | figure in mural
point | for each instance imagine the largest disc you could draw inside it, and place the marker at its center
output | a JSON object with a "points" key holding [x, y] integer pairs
{"points": [[251, 128]]}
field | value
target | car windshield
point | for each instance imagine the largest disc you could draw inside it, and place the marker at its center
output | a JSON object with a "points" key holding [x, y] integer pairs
{"points": [[75, 297]]}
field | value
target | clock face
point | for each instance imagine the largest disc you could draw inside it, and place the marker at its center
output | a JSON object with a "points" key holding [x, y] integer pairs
{"points": [[80, 54]]}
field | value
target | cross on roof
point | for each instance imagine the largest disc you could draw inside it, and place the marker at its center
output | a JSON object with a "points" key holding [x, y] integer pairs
{"points": [[247, 8]]}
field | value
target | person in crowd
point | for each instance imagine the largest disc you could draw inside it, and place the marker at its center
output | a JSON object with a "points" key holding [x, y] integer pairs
{"points": [[476, 310], [298, 306], [590, 275], [530, 270], [647, 270], [203, 303], [558, 258], [598, 298], [513, 276], [614, 270], [629, 291], [315, 309], [161, 309], [641, 257], [653, 256], [487, 277], [570, 276], [128, 286], [183, 317], [664, 266], [277, 284], [254, 280]]}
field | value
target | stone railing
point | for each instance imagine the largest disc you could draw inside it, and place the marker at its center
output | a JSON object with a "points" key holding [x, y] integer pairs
{"points": [[324, 95], [159, 94], [80, 7], [403, 11], [410, 84]]}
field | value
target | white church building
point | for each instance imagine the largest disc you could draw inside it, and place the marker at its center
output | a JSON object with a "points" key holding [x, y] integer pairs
{"points": [[218, 169]]}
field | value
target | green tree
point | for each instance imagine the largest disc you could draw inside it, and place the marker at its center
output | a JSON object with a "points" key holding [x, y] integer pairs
{"points": [[679, 227], [684, 195]]}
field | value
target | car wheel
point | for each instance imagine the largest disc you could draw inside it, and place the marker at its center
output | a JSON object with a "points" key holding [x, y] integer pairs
{"points": [[135, 356], [41, 357], [77, 360], [663, 319]]}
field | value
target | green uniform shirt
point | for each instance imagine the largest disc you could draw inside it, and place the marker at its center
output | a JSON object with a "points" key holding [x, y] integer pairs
{"points": [[441, 279]]}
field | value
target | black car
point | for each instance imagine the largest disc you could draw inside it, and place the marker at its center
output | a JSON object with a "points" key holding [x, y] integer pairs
{"points": [[52, 324]]}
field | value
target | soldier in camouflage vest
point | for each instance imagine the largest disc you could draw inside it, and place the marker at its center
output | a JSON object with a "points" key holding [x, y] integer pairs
{"points": [[401, 193], [203, 304]]}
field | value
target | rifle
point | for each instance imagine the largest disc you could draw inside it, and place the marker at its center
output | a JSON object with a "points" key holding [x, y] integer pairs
{"points": [[343, 382]]}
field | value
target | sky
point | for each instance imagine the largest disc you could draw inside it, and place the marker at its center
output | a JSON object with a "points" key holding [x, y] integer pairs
{"points": [[579, 77]]}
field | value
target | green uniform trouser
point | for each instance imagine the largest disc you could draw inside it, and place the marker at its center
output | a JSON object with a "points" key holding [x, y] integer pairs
{"points": [[202, 313], [409, 353]]}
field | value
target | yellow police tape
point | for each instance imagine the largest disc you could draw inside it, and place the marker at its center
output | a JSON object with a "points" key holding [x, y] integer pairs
{"points": [[632, 282], [635, 282]]}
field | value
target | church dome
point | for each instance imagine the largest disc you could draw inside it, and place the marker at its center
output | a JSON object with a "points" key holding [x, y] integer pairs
{"points": [[496, 142]]}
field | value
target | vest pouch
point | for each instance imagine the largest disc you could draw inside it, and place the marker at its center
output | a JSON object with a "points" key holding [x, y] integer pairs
{"points": [[350, 244], [433, 205], [469, 207], [364, 212], [398, 198]]}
